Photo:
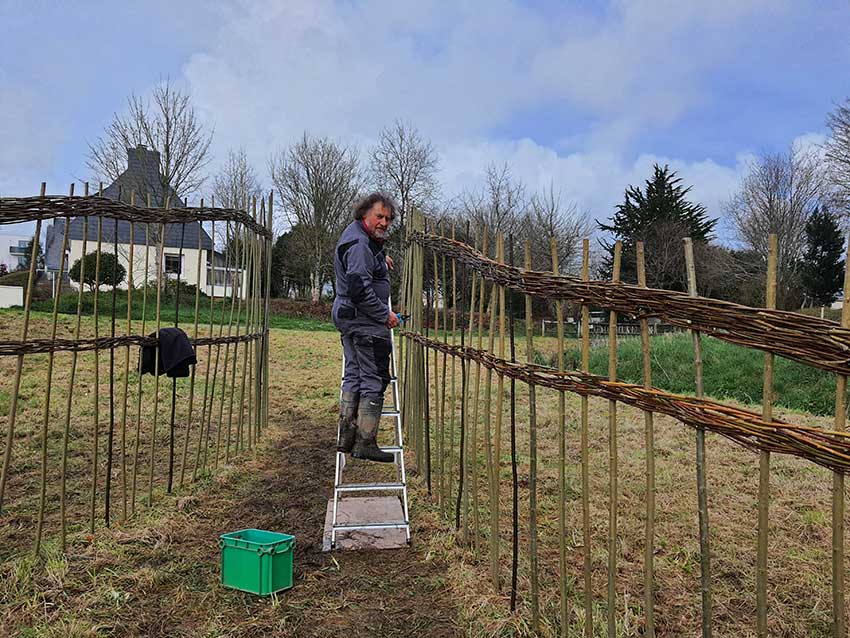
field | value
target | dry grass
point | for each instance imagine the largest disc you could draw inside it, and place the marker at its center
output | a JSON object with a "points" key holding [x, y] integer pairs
{"points": [[799, 545], [157, 575]]}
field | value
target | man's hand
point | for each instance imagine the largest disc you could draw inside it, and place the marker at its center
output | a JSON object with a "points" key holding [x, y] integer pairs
{"points": [[392, 320], [390, 263]]}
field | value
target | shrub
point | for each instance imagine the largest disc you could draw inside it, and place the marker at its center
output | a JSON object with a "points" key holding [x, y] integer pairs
{"points": [[110, 273]]}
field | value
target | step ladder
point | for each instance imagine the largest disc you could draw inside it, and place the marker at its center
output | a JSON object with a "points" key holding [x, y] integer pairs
{"points": [[397, 449]]}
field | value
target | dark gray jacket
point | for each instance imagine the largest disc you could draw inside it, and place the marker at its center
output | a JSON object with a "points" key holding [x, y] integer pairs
{"points": [[362, 283]]}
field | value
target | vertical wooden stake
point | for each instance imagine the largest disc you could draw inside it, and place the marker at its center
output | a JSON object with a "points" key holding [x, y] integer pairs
{"points": [[125, 494], [464, 434], [159, 285], [532, 452], [764, 456], [497, 434], [111, 433], [171, 427], [613, 469], [96, 393], [437, 417], [442, 445], [702, 493], [462, 456], [514, 473], [839, 609], [562, 457], [238, 291], [473, 436], [66, 433], [48, 387], [453, 402], [194, 367], [488, 398], [649, 432], [585, 451], [137, 441]]}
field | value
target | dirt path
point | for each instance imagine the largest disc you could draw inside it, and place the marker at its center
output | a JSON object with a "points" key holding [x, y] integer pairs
{"points": [[160, 577]]}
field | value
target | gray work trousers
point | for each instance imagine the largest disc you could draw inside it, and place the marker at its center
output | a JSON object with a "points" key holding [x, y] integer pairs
{"points": [[367, 364]]}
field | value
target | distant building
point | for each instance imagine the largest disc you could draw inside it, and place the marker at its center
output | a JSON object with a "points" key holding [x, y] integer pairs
{"points": [[13, 251], [142, 177]]}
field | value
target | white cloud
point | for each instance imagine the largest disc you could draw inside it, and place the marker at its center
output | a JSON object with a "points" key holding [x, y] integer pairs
{"points": [[594, 181]]}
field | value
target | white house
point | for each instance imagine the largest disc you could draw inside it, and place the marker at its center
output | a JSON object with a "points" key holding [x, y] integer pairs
{"points": [[186, 246]]}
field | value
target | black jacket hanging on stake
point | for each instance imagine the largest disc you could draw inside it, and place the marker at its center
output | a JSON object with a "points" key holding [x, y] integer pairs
{"points": [[175, 354]]}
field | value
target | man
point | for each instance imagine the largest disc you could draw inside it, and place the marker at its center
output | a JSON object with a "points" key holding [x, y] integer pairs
{"points": [[362, 314]]}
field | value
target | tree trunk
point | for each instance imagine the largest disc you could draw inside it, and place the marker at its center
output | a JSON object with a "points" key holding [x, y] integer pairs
{"points": [[315, 286]]}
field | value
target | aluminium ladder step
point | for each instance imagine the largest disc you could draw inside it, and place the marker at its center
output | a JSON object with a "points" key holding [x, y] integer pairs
{"points": [[355, 526], [366, 487]]}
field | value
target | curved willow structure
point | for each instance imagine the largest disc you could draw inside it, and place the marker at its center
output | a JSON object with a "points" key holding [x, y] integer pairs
{"points": [[74, 446]]}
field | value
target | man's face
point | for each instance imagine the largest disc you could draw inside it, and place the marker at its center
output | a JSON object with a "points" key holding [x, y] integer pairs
{"points": [[377, 220]]}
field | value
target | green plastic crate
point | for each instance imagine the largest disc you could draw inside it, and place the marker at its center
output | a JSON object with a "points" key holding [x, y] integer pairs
{"points": [[256, 561]]}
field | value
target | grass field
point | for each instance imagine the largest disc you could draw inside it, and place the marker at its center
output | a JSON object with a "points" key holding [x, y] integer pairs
{"points": [[219, 312], [156, 574], [729, 371]]}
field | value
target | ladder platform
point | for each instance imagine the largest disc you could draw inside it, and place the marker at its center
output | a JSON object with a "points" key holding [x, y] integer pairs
{"points": [[366, 487], [390, 413], [356, 527]]}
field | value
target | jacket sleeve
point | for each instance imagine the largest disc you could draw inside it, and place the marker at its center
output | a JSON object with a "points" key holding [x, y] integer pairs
{"points": [[358, 274]]}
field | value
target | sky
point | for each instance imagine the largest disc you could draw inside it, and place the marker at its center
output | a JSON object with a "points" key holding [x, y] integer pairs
{"points": [[586, 95]]}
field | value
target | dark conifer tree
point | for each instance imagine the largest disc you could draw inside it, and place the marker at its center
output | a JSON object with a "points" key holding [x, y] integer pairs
{"points": [[659, 215], [823, 266]]}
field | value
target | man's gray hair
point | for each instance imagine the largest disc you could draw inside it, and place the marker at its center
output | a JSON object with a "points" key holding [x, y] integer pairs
{"points": [[365, 204]]}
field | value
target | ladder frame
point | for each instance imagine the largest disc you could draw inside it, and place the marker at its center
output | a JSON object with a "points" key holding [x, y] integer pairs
{"points": [[396, 450]]}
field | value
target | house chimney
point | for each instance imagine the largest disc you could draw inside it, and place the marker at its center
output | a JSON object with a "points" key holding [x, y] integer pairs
{"points": [[143, 160]]}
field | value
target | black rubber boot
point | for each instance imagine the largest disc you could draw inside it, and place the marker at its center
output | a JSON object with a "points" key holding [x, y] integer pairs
{"points": [[366, 446], [347, 421]]}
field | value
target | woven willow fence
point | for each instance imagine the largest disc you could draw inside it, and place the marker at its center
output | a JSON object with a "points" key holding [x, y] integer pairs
{"points": [[88, 437], [443, 410]]}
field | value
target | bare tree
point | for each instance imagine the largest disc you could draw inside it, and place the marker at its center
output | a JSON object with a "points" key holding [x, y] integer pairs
{"points": [[777, 196], [166, 124], [404, 165], [499, 205], [236, 184], [837, 151], [547, 216], [317, 181]]}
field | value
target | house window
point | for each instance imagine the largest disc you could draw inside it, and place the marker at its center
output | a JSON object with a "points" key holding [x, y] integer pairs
{"points": [[172, 264]]}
